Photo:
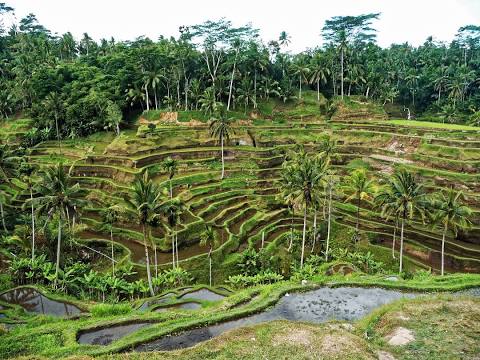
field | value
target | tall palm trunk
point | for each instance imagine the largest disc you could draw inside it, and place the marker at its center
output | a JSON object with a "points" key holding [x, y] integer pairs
{"points": [[113, 255], [300, 88], [255, 88], [318, 90], [329, 223], [358, 218], [156, 101], [173, 250], [223, 160], [341, 74], [58, 133], [146, 97], [314, 228], [59, 245], [171, 189], [210, 265], [231, 82], [394, 238], [176, 246], [401, 246], [33, 224], [445, 229], [291, 230], [303, 235], [147, 257]]}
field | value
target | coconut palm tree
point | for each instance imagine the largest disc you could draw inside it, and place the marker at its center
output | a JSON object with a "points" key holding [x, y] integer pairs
{"points": [[408, 199], [221, 129], [360, 188], [110, 216], [302, 179], [173, 209], [57, 196], [319, 74], [302, 70], [331, 181], [28, 180], [144, 202], [54, 103], [452, 214], [170, 166], [386, 200], [209, 238], [4, 199]]}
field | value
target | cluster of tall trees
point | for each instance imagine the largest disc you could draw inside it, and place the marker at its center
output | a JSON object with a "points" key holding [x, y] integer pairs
{"points": [[79, 86], [309, 184]]}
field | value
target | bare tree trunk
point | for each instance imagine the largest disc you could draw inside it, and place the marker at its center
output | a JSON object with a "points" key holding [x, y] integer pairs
{"points": [[318, 90], [443, 249], [394, 238], [147, 257], [173, 249], [59, 245], [146, 97], [300, 88], [210, 264], [329, 223], [341, 74], [176, 246], [255, 88], [401, 246], [33, 224], [113, 256], [291, 230], [156, 101], [314, 228], [223, 160], [231, 82], [304, 234]]}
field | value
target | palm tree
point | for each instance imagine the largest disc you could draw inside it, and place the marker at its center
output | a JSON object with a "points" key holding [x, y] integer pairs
{"points": [[331, 181], [209, 238], [30, 186], [407, 200], [246, 94], [301, 69], [54, 104], [302, 179], [170, 166], [208, 102], [8, 163], [360, 188], [58, 196], [172, 209], [319, 75], [386, 200], [452, 214], [144, 203], [153, 80], [4, 198], [221, 129], [110, 215]]}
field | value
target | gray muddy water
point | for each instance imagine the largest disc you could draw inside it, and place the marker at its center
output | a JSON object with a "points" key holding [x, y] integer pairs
{"points": [[347, 303], [35, 302]]}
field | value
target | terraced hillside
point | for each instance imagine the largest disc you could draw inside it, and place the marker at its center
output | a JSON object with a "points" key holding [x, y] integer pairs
{"points": [[245, 207]]}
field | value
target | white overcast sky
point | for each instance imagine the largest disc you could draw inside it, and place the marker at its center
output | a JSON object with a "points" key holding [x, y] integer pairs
{"points": [[400, 21]]}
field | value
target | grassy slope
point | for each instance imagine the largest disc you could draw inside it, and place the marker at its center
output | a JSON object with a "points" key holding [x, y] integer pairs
{"points": [[434, 125], [443, 326]]}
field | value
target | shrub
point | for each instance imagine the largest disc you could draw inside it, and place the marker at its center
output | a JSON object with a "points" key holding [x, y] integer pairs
{"points": [[102, 310], [267, 277]]}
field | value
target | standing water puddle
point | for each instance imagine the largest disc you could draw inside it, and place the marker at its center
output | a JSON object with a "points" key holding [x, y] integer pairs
{"points": [[203, 294], [33, 301], [107, 335], [183, 306], [314, 306]]}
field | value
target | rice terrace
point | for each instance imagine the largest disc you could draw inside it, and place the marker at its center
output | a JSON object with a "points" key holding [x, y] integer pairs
{"points": [[221, 193]]}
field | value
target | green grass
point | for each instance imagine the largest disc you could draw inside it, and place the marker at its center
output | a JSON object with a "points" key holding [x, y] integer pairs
{"points": [[433, 125]]}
